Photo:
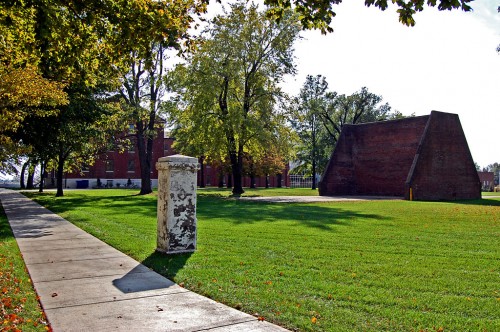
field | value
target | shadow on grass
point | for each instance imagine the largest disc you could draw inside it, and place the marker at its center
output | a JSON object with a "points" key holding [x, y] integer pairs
{"points": [[322, 217], [166, 265], [483, 202], [215, 208], [5, 230], [122, 204]]}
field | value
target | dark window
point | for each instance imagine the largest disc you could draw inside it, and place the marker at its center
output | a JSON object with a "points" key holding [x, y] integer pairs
{"points": [[131, 165], [110, 166]]}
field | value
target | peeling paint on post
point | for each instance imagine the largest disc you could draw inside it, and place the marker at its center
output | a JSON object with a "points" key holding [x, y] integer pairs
{"points": [[176, 204]]}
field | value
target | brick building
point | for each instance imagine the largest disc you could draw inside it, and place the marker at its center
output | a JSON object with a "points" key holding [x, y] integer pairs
{"points": [[487, 180], [115, 169], [425, 157]]}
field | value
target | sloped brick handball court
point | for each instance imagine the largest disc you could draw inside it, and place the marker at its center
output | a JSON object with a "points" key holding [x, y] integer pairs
{"points": [[419, 158]]}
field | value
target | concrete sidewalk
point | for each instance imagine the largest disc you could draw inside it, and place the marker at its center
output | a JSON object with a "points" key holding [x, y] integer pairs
{"points": [[86, 285]]}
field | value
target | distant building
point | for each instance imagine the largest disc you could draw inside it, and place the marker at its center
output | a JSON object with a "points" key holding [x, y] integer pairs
{"points": [[487, 180], [421, 158], [117, 169]]}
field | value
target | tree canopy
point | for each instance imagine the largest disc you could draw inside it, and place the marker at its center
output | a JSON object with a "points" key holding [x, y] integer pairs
{"points": [[228, 90], [319, 116], [61, 57], [318, 14]]}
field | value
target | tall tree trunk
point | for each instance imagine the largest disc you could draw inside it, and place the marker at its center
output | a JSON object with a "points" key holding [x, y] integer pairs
{"points": [[31, 175], [314, 174], [279, 179], [236, 165], [143, 146], [42, 176], [252, 176], [236, 158], [221, 178], [252, 181], [314, 154], [23, 170], [60, 176], [202, 172], [267, 181]]}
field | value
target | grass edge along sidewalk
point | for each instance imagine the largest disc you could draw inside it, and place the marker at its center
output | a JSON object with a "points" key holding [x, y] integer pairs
{"points": [[385, 265], [19, 307]]}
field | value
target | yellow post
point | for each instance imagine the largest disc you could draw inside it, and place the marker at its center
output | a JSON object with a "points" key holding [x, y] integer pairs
{"points": [[411, 194]]}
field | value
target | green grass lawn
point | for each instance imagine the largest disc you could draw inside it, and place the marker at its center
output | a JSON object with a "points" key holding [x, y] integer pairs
{"points": [[487, 193], [19, 307], [340, 266]]}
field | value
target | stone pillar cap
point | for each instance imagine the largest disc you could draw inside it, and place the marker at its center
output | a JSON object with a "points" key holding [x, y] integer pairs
{"points": [[178, 158]]}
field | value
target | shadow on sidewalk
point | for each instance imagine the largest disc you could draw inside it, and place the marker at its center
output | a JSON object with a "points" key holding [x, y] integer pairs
{"points": [[141, 279]]}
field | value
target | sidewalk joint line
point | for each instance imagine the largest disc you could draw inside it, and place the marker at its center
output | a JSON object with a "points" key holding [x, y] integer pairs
{"points": [[90, 277], [253, 319], [117, 300], [75, 260]]}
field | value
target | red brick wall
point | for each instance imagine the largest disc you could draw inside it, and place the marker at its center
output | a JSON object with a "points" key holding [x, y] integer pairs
{"points": [[161, 147], [373, 158], [487, 180], [443, 168], [428, 154]]}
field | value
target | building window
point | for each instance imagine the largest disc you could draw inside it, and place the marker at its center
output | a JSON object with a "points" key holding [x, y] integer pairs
{"points": [[110, 166], [131, 165], [85, 168]]}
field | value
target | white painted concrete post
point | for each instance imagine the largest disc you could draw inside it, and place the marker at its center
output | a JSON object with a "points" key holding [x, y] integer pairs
{"points": [[176, 204]]}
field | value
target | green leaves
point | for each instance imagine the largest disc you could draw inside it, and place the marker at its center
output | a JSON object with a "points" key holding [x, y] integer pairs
{"points": [[319, 14], [228, 91]]}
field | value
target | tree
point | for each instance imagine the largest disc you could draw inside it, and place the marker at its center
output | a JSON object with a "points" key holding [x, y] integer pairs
{"points": [[228, 89], [320, 115], [143, 84], [53, 48], [360, 107], [319, 14], [73, 136], [81, 131], [23, 90], [307, 123], [142, 91], [270, 164]]}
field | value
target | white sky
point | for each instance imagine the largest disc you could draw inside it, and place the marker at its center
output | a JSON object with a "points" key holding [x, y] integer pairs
{"points": [[447, 62]]}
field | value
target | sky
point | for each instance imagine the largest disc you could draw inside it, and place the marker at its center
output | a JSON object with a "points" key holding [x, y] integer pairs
{"points": [[447, 62]]}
